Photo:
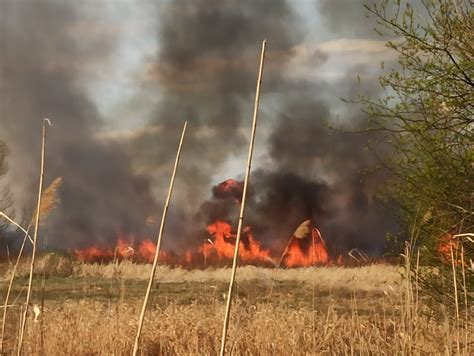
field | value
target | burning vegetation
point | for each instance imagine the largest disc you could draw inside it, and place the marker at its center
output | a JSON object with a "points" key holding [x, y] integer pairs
{"points": [[217, 248], [215, 245]]}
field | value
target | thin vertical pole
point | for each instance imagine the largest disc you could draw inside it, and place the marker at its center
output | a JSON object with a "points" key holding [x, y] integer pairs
{"points": [[158, 244], [242, 205], [35, 236]]}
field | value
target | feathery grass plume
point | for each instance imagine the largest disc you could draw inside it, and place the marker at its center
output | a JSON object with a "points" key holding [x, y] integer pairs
{"points": [[302, 231], [49, 199], [427, 216], [48, 203]]}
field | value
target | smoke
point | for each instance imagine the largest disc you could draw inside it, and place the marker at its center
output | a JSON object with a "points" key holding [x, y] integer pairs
{"points": [[347, 18], [310, 171], [204, 71], [43, 65]]}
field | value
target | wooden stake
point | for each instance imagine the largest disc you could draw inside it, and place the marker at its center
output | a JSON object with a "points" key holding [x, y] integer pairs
{"points": [[242, 204], [35, 236], [158, 244]]}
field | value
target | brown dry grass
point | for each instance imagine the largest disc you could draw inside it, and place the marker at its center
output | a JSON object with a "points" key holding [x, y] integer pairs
{"points": [[81, 328], [366, 278], [90, 309]]}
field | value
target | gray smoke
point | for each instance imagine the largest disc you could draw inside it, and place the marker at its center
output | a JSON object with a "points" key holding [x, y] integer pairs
{"points": [[206, 68], [204, 72], [41, 67]]}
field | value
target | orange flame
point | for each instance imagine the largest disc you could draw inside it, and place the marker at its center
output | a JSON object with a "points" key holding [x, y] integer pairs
{"points": [[222, 247], [93, 253], [316, 253], [123, 250], [219, 247], [446, 244]]}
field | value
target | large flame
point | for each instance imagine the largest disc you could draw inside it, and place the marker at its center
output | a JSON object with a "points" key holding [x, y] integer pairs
{"points": [[315, 254], [223, 244]]}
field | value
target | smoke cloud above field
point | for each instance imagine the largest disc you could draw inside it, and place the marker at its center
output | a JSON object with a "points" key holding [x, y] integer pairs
{"points": [[47, 47], [202, 69]]}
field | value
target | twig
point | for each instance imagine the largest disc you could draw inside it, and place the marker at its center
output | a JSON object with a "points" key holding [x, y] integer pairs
{"points": [[5, 216]]}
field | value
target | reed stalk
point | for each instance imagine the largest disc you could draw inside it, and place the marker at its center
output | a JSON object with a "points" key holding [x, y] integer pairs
{"points": [[242, 204], [158, 245], [456, 303], [35, 237]]}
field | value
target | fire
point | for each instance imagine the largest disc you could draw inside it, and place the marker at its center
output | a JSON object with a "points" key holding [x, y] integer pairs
{"points": [[304, 250], [229, 188], [315, 254], [222, 247], [448, 243], [124, 251], [147, 250], [93, 253], [306, 247]]}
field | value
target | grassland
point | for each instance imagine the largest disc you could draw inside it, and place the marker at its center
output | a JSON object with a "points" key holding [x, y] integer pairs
{"points": [[92, 309]]}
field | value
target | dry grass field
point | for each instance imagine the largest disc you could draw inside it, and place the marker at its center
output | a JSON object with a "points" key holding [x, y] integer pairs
{"points": [[92, 309]]}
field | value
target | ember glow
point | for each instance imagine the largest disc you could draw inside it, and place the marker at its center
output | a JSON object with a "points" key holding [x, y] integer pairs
{"points": [[448, 244], [229, 188]]}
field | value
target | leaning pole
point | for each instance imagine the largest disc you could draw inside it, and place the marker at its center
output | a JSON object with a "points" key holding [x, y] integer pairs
{"points": [[158, 245], [242, 205]]}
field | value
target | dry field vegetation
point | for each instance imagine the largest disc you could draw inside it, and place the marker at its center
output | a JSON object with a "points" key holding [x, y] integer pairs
{"points": [[93, 309]]}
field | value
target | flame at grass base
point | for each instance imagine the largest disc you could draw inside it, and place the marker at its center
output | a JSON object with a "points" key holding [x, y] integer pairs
{"points": [[217, 249], [316, 254], [222, 247]]}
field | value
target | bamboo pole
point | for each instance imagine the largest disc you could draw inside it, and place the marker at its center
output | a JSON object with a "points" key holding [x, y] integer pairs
{"points": [[242, 204], [158, 245], [35, 236]]}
